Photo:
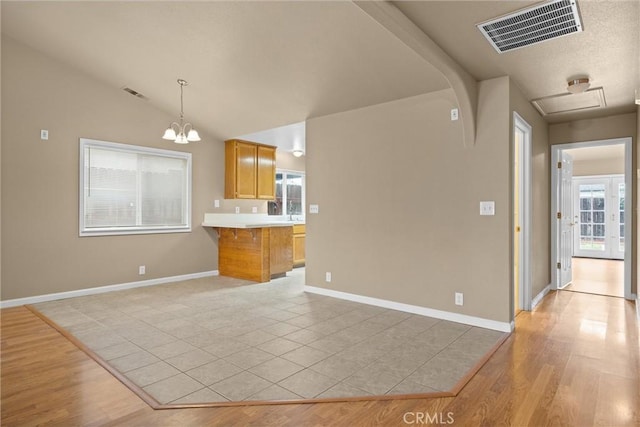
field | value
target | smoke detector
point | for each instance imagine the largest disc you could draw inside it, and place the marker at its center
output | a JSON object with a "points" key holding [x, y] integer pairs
{"points": [[578, 85]]}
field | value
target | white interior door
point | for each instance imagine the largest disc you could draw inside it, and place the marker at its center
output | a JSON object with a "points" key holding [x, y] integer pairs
{"points": [[599, 216], [565, 220]]}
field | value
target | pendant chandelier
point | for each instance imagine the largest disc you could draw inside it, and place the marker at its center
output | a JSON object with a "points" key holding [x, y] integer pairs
{"points": [[180, 132]]}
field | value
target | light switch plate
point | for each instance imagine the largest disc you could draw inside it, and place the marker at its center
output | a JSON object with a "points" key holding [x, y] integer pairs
{"points": [[454, 114], [44, 134], [488, 208], [254, 209], [314, 209]]}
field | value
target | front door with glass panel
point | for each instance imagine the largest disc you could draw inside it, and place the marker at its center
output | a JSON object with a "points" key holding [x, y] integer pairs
{"points": [[599, 216]]}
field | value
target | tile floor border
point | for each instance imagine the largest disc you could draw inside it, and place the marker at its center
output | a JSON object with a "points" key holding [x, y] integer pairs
{"points": [[153, 403]]}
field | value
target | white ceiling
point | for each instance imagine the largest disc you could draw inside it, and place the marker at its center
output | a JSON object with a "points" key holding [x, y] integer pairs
{"points": [[607, 51], [254, 66], [251, 66], [287, 138]]}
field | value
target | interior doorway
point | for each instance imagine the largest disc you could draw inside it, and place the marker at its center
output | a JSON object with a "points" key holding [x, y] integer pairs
{"points": [[591, 213], [521, 214], [598, 276]]}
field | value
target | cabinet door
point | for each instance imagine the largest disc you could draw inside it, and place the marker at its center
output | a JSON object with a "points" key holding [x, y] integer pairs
{"points": [[280, 250], [245, 171], [266, 173], [298, 249]]}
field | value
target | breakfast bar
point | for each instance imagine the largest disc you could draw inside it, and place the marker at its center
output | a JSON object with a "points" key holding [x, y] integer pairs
{"points": [[252, 247]]}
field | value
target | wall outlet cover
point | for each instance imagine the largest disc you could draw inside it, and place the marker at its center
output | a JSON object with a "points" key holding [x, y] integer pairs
{"points": [[459, 299], [314, 209], [237, 209], [487, 208], [216, 203]]}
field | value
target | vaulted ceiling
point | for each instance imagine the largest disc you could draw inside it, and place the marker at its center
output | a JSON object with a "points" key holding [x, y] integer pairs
{"points": [[259, 65]]}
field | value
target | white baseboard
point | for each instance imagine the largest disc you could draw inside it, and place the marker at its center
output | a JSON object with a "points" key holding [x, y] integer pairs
{"points": [[414, 309], [536, 300], [102, 289]]}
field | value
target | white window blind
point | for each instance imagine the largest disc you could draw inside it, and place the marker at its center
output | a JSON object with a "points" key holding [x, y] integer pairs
{"points": [[127, 189]]}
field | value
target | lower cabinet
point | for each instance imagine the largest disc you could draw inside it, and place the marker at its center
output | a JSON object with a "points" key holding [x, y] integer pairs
{"points": [[280, 250], [299, 235], [256, 254]]}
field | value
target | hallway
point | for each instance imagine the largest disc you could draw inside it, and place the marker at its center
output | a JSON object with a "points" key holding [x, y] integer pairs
{"points": [[598, 276]]}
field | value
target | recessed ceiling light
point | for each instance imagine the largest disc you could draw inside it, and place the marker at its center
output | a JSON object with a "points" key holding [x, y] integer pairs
{"points": [[578, 85]]}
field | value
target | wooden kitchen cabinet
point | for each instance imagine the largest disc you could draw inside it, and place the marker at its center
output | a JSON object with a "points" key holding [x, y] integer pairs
{"points": [[250, 170], [280, 250], [299, 235], [257, 254]]}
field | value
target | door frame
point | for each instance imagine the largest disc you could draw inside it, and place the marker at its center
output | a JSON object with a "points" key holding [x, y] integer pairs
{"points": [[524, 250], [556, 151]]}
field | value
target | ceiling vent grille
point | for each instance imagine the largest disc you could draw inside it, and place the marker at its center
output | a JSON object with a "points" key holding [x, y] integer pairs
{"points": [[532, 25], [134, 93]]}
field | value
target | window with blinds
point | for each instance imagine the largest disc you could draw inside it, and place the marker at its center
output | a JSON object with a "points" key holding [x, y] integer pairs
{"points": [[127, 189]]}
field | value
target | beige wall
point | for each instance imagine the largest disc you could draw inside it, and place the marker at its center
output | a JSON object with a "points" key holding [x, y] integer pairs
{"points": [[540, 191], [398, 194], [41, 250], [619, 126], [598, 167]]}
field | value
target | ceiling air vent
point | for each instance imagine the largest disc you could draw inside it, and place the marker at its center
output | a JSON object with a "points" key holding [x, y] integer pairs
{"points": [[532, 25], [135, 93]]}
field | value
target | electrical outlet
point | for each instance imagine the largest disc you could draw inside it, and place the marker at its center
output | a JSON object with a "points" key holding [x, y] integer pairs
{"points": [[254, 209], [459, 298], [237, 209], [487, 208], [327, 276], [216, 203], [142, 270], [454, 114]]}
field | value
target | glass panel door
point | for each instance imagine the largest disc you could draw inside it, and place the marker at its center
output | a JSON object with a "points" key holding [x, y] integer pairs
{"points": [[618, 217], [591, 213], [599, 217]]}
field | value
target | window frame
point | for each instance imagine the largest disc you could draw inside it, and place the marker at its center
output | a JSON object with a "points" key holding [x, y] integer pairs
{"points": [[285, 212], [83, 231]]}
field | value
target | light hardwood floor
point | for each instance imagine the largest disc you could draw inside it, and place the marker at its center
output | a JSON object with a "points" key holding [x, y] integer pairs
{"points": [[572, 361], [598, 276]]}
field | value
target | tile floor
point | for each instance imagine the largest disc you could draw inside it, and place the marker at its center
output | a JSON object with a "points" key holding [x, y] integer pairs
{"points": [[219, 339]]}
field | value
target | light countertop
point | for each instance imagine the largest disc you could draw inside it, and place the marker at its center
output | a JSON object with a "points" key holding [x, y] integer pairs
{"points": [[245, 221]]}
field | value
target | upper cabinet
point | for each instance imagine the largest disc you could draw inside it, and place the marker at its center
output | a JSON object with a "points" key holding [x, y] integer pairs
{"points": [[250, 170], [266, 172]]}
